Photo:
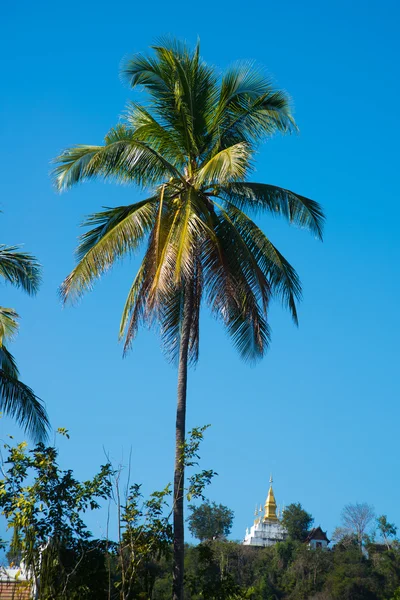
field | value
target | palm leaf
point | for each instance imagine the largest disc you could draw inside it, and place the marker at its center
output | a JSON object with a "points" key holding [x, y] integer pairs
{"points": [[298, 210], [8, 324], [19, 268], [132, 304], [19, 402], [147, 129], [227, 165], [122, 158], [142, 301], [252, 120], [8, 363], [243, 88], [283, 279], [171, 314], [117, 231], [182, 90], [236, 288], [135, 311], [146, 71]]}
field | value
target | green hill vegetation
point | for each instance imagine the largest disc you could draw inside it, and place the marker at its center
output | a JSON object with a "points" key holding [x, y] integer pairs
{"points": [[45, 508]]}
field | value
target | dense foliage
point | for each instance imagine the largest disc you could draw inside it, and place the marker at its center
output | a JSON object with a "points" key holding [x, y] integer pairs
{"points": [[210, 521], [296, 521], [287, 571], [44, 506]]}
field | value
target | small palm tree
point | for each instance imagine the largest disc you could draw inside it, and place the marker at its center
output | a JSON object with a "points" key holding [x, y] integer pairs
{"points": [[17, 400], [192, 145]]}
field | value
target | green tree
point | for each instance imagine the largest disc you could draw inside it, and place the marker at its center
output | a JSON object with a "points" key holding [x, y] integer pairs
{"points": [[43, 505], [17, 400], [219, 571], [386, 529], [352, 576], [296, 521], [210, 521], [193, 145], [387, 566], [306, 574]]}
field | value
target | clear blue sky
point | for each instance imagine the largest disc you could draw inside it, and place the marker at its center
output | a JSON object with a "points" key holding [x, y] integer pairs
{"points": [[322, 410]]}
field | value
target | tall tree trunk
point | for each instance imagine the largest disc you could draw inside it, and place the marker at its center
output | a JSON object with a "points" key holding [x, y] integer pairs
{"points": [[179, 474]]}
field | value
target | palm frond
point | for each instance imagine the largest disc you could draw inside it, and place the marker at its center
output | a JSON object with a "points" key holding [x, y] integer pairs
{"points": [[8, 363], [237, 290], [135, 311], [298, 210], [182, 90], [117, 231], [171, 315], [144, 297], [282, 277], [252, 120], [183, 233], [77, 164], [20, 268], [123, 158], [249, 329], [18, 401], [147, 129], [8, 324], [244, 92], [242, 78], [186, 240], [227, 165], [178, 61], [146, 71]]}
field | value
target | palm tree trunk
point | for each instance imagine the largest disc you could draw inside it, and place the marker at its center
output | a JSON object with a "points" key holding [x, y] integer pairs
{"points": [[179, 474]]}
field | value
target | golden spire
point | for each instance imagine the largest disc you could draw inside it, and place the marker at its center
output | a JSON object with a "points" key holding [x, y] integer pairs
{"points": [[270, 504]]}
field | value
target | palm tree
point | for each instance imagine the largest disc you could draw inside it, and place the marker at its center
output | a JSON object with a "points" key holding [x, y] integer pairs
{"points": [[192, 145], [17, 400]]}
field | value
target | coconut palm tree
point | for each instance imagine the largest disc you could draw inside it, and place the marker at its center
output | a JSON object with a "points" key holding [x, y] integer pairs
{"points": [[17, 400], [191, 146]]}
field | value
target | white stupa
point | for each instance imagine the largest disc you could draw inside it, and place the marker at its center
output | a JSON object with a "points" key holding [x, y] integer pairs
{"points": [[267, 530]]}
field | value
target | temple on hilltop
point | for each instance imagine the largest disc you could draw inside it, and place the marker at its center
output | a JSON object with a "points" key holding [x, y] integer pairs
{"points": [[267, 529], [317, 538]]}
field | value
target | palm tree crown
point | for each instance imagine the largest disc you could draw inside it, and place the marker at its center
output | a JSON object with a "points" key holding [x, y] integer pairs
{"points": [[193, 146], [17, 400]]}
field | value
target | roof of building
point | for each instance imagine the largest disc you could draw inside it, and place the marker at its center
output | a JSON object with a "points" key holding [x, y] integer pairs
{"points": [[270, 504], [317, 534], [13, 590]]}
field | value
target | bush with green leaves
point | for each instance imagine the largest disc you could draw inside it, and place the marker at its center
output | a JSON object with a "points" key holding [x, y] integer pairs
{"points": [[44, 505]]}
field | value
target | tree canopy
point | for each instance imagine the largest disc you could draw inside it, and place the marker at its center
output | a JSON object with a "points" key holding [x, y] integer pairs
{"points": [[210, 521], [296, 521]]}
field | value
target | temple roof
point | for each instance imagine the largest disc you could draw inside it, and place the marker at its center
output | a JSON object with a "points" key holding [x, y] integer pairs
{"points": [[270, 505], [317, 534]]}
